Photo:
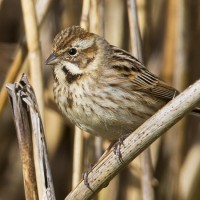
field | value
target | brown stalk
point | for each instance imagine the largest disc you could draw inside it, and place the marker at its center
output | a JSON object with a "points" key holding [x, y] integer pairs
{"points": [[35, 60], [78, 134], [77, 157], [136, 46], [34, 50], [1, 1], [174, 72], [101, 18], [190, 168], [97, 26], [29, 128], [85, 15], [169, 43], [190, 171], [94, 17], [21, 53], [12, 74], [135, 37], [24, 136], [140, 139], [115, 29], [179, 81]]}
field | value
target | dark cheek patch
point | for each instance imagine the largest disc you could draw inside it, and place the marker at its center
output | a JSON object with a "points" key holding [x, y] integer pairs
{"points": [[70, 78], [85, 60], [87, 56]]}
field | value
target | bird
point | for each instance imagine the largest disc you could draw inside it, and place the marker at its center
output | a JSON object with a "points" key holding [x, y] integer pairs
{"points": [[101, 88]]}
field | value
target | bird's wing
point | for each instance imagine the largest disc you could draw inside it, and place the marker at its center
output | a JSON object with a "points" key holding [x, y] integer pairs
{"points": [[133, 75]]}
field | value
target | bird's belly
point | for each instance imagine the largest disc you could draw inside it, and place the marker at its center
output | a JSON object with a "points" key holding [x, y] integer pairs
{"points": [[105, 118], [109, 125]]}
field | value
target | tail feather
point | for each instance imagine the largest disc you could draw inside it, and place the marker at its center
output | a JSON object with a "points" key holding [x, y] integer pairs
{"points": [[196, 112]]}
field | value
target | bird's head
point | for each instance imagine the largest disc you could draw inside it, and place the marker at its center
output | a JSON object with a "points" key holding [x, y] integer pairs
{"points": [[77, 52]]}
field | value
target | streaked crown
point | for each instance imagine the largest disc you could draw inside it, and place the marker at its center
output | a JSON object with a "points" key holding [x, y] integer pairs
{"points": [[71, 36]]}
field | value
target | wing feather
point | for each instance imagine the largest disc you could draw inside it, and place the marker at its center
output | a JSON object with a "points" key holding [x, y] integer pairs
{"points": [[130, 69]]}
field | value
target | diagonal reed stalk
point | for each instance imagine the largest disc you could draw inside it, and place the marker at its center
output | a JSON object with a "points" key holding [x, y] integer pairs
{"points": [[137, 142]]}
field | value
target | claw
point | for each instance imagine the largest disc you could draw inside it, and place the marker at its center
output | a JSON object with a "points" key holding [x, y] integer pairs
{"points": [[117, 147], [85, 177], [117, 151]]}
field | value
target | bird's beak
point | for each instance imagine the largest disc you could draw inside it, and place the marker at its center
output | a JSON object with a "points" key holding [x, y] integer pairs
{"points": [[52, 59]]}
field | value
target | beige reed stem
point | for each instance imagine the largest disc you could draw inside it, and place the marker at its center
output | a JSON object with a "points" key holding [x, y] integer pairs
{"points": [[137, 142]]}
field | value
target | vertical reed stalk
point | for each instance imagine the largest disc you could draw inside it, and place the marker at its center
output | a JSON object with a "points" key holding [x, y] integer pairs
{"points": [[136, 47]]}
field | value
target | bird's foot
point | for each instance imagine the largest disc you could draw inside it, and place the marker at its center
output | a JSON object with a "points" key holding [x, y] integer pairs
{"points": [[117, 147], [85, 177]]}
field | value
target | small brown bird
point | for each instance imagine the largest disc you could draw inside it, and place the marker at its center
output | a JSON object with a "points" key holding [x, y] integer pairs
{"points": [[103, 89]]}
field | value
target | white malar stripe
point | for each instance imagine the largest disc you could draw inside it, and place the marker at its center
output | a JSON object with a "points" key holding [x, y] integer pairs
{"points": [[73, 68]]}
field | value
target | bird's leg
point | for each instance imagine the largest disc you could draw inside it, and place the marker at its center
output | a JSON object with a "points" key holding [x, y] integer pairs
{"points": [[85, 177], [85, 174], [117, 147], [108, 149]]}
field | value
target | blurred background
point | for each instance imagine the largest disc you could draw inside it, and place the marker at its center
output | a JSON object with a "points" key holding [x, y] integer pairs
{"points": [[170, 31]]}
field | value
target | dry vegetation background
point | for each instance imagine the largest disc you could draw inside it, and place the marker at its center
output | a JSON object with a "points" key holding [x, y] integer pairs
{"points": [[170, 31]]}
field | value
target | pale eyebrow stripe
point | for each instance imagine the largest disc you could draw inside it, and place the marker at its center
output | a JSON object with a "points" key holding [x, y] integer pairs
{"points": [[84, 44]]}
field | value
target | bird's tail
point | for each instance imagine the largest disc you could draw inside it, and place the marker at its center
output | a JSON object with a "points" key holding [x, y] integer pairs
{"points": [[196, 112]]}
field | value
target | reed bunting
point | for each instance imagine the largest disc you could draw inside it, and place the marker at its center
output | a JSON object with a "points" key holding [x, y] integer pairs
{"points": [[101, 88]]}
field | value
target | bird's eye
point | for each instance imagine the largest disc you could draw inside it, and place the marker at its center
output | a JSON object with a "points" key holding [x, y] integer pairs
{"points": [[72, 51]]}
